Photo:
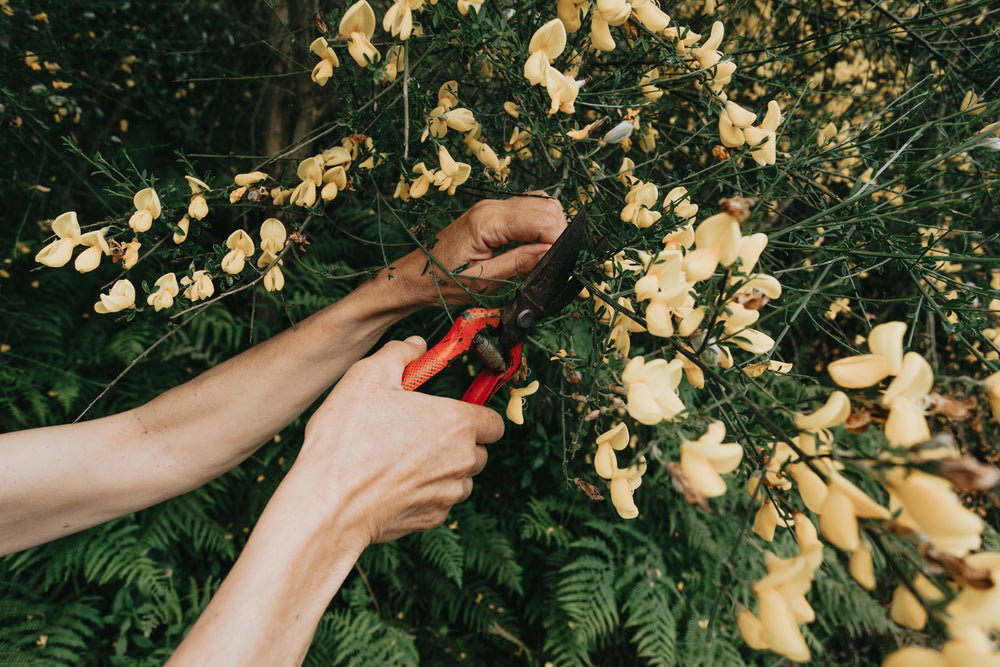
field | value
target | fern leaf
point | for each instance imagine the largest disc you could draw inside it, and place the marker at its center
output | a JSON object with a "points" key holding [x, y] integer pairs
{"points": [[442, 548]]}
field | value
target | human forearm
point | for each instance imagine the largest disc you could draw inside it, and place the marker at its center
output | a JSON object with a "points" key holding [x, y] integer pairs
{"points": [[363, 475], [268, 607], [70, 477], [208, 425]]}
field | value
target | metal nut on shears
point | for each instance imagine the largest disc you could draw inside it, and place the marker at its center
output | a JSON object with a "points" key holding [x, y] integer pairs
{"points": [[525, 319]]}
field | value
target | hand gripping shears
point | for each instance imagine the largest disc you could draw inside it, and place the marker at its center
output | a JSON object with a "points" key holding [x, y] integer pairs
{"points": [[545, 291]]}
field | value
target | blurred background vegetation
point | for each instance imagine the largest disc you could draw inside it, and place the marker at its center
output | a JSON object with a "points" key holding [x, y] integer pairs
{"points": [[101, 99]]}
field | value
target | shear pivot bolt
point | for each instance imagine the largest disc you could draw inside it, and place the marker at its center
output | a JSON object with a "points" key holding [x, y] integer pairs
{"points": [[525, 319]]}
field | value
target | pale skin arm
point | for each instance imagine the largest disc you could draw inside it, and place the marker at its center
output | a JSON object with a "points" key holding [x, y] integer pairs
{"points": [[58, 480], [359, 479]]}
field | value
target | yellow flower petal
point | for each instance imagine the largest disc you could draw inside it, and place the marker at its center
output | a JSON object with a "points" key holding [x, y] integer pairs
{"points": [[861, 566], [838, 522], [765, 521], [147, 200], [515, 406], [906, 609], [836, 409], [886, 340], [121, 297], [860, 371], [781, 632]]}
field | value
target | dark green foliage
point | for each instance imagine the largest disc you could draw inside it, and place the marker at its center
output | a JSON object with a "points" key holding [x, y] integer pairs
{"points": [[529, 570]]}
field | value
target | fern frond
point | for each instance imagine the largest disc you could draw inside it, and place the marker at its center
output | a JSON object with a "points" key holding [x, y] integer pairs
{"points": [[442, 548], [649, 606], [488, 551], [360, 638]]}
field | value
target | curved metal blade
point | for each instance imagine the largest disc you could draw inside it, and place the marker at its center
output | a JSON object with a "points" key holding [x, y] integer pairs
{"points": [[548, 288]]}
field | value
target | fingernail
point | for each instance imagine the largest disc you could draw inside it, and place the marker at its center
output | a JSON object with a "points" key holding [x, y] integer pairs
{"points": [[416, 340]]}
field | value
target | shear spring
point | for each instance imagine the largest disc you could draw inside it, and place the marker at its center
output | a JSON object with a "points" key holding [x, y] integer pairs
{"points": [[489, 353]]}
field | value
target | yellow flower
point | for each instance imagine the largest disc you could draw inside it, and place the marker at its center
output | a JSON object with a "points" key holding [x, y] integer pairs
{"points": [[545, 46], [677, 202], [452, 174], [843, 505], [357, 28], [717, 241], [729, 134], [624, 482], [334, 181], [708, 54], [861, 566], [337, 155], [765, 520], [625, 175], [394, 63], [518, 143], [974, 607], [198, 207], [67, 228], [148, 209], [166, 290], [323, 70], [562, 90], [885, 343], [199, 286], [763, 139], [570, 12], [650, 15], [668, 290], [992, 384], [274, 279], [465, 6], [240, 247], [131, 256], [906, 610], [607, 13], [639, 201], [616, 438], [706, 459], [272, 236], [647, 141], [836, 409], [251, 178], [97, 246], [931, 506], [652, 389], [185, 225], [310, 171], [515, 406], [914, 656], [121, 296], [398, 18], [459, 119], [420, 185], [781, 597], [621, 325]]}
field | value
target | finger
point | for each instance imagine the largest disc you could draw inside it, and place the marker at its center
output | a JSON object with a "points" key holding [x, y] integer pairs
{"points": [[515, 262], [394, 356], [529, 219], [489, 424], [481, 456]]}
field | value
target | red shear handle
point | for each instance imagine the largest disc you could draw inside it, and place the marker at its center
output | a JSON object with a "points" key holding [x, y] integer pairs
{"points": [[488, 380], [454, 344]]}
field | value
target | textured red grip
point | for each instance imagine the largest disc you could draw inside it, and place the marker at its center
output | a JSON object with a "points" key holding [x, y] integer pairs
{"points": [[454, 344]]}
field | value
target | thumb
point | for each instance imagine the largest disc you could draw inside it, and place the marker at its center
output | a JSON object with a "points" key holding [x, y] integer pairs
{"points": [[396, 354], [518, 261]]}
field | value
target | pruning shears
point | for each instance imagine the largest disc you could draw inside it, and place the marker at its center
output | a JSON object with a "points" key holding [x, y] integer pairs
{"points": [[544, 292]]}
